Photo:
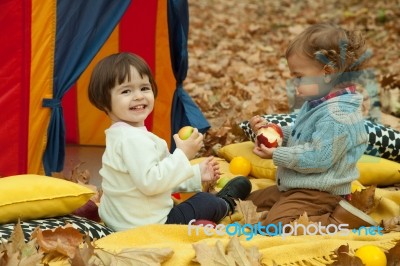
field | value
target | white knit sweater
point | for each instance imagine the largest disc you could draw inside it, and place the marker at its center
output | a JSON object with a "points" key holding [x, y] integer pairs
{"points": [[139, 174]]}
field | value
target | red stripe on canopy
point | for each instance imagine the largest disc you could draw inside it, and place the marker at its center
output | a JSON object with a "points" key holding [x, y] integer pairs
{"points": [[137, 34], [14, 79]]}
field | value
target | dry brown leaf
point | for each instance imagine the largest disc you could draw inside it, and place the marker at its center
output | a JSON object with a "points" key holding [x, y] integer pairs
{"points": [[342, 257], [63, 240], [242, 256], [393, 255], [83, 254], [66, 243], [302, 220], [132, 256], [391, 224], [234, 254], [364, 199], [249, 211], [17, 252], [81, 177]]}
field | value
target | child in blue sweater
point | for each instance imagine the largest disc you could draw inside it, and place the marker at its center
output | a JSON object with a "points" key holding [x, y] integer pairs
{"points": [[317, 160]]}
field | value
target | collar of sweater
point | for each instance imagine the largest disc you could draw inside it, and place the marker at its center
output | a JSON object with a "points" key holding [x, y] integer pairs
{"points": [[348, 90]]}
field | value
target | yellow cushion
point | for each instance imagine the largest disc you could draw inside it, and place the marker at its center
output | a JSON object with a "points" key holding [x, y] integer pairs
{"points": [[378, 171], [34, 196], [260, 168], [373, 170]]}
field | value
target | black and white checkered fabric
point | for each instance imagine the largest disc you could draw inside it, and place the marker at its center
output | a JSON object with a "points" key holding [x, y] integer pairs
{"points": [[383, 142], [85, 226]]}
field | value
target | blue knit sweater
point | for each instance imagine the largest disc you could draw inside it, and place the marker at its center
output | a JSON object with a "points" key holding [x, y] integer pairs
{"points": [[321, 149]]}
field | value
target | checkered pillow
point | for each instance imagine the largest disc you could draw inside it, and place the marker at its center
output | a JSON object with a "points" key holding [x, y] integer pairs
{"points": [[383, 142], [93, 229]]}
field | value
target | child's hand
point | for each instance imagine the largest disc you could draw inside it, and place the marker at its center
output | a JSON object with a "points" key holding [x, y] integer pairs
{"points": [[256, 122], [209, 169], [191, 145], [263, 152]]}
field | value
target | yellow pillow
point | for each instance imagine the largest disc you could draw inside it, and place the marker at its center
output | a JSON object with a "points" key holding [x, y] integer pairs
{"points": [[373, 170], [378, 171], [34, 197], [260, 168]]}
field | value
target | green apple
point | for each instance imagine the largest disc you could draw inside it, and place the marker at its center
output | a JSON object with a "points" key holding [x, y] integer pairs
{"points": [[185, 132], [222, 182]]}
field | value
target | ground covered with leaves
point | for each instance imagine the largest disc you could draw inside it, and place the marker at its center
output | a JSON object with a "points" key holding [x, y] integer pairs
{"points": [[236, 55]]}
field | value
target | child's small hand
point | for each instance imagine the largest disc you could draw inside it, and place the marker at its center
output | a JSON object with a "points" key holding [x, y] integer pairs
{"points": [[263, 152], [256, 122], [191, 145], [209, 169]]}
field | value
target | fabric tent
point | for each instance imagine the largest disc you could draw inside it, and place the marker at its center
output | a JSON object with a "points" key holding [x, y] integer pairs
{"points": [[49, 48]]}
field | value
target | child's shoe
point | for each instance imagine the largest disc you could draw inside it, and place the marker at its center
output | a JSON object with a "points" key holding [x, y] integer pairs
{"points": [[345, 213], [237, 188]]}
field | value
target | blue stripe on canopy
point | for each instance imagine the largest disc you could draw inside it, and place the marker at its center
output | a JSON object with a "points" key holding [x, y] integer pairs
{"points": [[82, 28], [184, 110]]}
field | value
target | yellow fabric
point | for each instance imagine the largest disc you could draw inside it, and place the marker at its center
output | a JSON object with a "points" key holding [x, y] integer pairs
{"points": [[378, 171], [373, 170], [41, 76], [260, 168], [293, 250], [35, 196]]}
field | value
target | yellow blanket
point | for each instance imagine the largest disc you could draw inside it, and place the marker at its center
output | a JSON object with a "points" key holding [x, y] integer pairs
{"points": [[290, 250]]}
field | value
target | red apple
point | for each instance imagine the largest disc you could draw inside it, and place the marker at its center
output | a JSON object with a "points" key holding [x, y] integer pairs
{"points": [[185, 132], [204, 223], [90, 211], [270, 135]]}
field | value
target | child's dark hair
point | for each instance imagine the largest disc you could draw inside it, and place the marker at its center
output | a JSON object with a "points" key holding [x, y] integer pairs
{"points": [[331, 45], [114, 70]]}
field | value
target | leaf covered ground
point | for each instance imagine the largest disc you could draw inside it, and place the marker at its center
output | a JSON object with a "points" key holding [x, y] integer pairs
{"points": [[236, 55]]}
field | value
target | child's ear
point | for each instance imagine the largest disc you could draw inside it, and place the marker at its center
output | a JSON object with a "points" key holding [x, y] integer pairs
{"points": [[328, 69]]}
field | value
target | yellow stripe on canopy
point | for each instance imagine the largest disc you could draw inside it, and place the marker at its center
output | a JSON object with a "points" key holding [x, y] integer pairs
{"points": [[91, 121], [41, 79], [164, 76]]}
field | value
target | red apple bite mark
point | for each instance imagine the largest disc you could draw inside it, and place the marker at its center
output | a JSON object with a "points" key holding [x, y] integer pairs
{"points": [[270, 135]]}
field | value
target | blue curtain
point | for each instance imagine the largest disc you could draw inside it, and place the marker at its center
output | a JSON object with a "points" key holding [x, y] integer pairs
{"points": [[82, 28], [184, 110]]}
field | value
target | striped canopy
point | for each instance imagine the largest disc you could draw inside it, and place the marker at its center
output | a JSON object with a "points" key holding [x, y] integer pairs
{"points": [[48, 50]]}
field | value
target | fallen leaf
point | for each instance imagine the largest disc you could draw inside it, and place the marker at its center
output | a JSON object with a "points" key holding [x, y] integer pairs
{"points": [[132, 256], [342, 257], [17, 238], [391, 224], [242, 256], [364, 199], [234, 254], [249, 211], [393, 255], [17, 252], [84, 253], [210, 256], [302, 220], [63, 240]]}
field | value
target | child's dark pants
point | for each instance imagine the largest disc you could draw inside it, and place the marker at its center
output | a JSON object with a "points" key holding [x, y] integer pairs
{"points": [[202, 205]]}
